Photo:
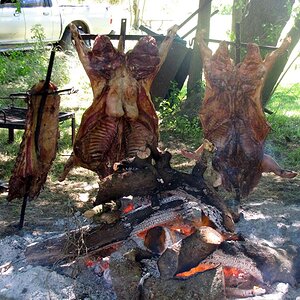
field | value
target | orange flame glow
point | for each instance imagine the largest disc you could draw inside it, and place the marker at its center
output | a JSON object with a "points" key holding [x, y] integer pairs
{"points": [[233, 272], [198, 269], [89, 263], [128, 208], [182, 228]]}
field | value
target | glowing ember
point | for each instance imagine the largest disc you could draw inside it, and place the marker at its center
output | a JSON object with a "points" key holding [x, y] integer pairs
{"points": [[233, 272], [89, 263], [101, 263], [128, 208], [182, 228], [142, 234], [198, 269]]}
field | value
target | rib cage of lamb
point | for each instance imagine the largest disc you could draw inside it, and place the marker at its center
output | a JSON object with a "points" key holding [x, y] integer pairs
{"points": [[121, 121]]}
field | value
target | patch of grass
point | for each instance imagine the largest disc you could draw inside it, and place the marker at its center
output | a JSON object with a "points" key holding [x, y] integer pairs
{"points": [[286, 101], [283, 140]]}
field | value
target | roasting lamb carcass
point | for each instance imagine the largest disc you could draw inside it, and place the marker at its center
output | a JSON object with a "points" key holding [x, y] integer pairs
{"points": [[232, 116], [36, 153], [121, 121]]}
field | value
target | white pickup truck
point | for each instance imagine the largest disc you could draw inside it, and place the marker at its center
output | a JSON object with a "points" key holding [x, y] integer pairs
{"points": [[16, 24]]}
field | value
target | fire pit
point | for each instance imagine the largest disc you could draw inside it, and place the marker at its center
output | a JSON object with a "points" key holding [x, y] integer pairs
{"points": [[184, 247]]}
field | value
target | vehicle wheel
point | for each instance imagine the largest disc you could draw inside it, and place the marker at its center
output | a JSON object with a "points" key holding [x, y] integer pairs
{"points": [[66, 40]]}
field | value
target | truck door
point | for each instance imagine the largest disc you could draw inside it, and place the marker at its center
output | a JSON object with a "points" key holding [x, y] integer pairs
{"points": [[12, 23], [40, 13]]}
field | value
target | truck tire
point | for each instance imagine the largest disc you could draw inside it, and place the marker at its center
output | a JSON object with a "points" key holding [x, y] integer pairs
{"points": [[66, 40]]}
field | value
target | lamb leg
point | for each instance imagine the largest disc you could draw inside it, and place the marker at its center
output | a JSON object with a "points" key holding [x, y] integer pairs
{"points": [[163, 52], [270, 165], [193, 155]]}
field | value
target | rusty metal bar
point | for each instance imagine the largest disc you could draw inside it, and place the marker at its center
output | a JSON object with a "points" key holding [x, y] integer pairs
{"points": [[194, 28], [122, 37], [43, 100]]}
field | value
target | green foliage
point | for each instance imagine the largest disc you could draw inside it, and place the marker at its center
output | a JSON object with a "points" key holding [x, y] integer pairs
{"points": [[25, 68], [271, 33], [286, 101], [172, 122], [18, 5], [114, 2], [240, 4], [172, 104], [38, 35]]}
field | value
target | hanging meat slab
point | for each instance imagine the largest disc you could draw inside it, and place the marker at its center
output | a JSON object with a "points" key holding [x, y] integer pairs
{"points": [[36, 155], [232, 116], [122, 120]]}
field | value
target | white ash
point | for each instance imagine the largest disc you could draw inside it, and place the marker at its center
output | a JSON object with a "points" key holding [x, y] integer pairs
{"points": [[19, 280], [150, 266]]}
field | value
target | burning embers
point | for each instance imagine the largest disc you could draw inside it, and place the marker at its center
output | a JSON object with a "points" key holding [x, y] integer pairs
{"points": [[182, 251], [182, 257]]}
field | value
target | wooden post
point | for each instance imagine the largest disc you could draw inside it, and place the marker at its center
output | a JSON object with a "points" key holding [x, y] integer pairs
{"points": [[195, 72], [237, 43]]}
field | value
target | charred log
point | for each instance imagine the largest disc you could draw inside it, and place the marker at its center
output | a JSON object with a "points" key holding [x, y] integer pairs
{"points": [[208, 285], [275, 265], [141, 178], [177, 209]]}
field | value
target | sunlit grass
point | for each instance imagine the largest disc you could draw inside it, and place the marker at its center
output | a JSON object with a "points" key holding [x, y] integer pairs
{"points": [[286, 101], [283, 140]]}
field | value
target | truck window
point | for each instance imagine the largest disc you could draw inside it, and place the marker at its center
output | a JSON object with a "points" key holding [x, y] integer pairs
{"points": [[33, 3], [8, 3]]}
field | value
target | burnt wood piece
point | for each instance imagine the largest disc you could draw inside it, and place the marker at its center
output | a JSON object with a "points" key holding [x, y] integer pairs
{"points": [[197, 246], [143, 178], [208, 285], [232, 115], [126, 272], [275, 264], [189, 252], [121, 120]]}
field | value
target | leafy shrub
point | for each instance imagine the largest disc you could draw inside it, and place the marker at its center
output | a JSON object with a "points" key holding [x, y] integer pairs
{"points": [[182, 126]]}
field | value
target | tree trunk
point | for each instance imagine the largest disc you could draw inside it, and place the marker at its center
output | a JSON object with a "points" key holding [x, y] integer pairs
{"points": [[238, 9], [265, 19], [192, 103], [280, 64]]}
